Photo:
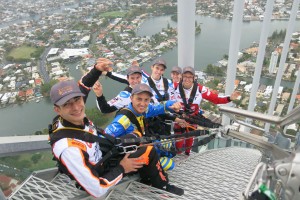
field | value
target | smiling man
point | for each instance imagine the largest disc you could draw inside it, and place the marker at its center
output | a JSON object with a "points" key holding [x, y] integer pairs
{"points": [[190, 94], [129, 122], [141, 108], [134, 76], [76, 157]]}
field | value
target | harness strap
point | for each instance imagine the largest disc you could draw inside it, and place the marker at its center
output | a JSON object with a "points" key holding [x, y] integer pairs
{"points": [[192, 96], [128, 89], [200, 142], [201, 121], [86, 136], [107, 143], [132, 117], [166, 88]]}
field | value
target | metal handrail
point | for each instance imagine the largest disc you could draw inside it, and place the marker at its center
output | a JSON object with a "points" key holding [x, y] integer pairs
{"points": [[290, 118], [15, 145]]}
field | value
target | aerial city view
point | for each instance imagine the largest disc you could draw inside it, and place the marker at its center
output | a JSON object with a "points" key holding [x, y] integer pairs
{"points": [[73, 58]]}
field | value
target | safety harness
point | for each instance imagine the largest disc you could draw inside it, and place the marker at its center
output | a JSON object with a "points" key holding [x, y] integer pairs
{"points": [[198, 119], [166, 88], [128, 89], [132, 117], [145, 140], [192, 96], [108, 144]]}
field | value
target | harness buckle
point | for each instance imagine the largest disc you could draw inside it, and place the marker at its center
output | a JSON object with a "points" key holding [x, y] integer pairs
{"points": [[128, 149]]}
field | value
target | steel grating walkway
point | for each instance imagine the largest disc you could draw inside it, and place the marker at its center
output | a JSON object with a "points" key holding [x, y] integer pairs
{"points": [[35, 188], [214, 174]]}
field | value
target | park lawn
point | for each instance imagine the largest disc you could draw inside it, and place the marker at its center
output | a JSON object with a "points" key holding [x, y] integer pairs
{"points": [[45, 162], [113, 14], [23, 52], [24, 160]]}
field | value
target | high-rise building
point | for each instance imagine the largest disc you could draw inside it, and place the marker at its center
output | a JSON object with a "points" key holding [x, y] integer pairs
{"points": [[273, 62]]}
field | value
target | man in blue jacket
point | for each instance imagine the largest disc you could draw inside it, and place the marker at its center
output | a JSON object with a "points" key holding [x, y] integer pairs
{"points": [[129, 121], [141, 108]]}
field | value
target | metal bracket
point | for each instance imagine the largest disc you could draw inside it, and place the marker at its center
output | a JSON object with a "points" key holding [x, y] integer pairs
{"points": [[129, 149]]}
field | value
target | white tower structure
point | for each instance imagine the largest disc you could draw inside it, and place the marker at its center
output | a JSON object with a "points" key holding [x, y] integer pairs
{"points": [[293, 97], [235, 37], [273, 62], [260, 58], [186, 32], [287, 40]]}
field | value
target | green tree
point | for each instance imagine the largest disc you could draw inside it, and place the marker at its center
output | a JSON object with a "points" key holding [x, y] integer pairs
{"points": [[46, 87], [36, 157], [174, 18], [98, 118], [45, 131], [38, 133]]}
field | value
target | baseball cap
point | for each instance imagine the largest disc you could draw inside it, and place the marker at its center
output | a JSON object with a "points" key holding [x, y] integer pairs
{"points": [[133, 69], [142, 87], [160, 62], [63, 91], [188, 69], [176, 69]]}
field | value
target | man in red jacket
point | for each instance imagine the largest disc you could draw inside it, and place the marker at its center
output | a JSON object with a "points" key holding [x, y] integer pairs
{"points": [[190, 94]]}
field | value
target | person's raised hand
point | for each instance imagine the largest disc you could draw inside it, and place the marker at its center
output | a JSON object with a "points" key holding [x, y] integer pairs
{"points": [[97, 88], [103, 64], [135, 63]]}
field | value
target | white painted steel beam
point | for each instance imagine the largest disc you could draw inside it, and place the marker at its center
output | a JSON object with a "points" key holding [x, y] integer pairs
{"points": [[260, 56], [235, 37], [286, 44], [186, 32]]}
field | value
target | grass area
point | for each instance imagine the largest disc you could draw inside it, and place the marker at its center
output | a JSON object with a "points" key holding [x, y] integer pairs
{"points": [[26, 161], [113, 14], [23, 52]]}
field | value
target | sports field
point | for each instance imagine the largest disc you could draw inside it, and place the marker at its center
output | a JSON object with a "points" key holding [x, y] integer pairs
{"points": [[113, 14], [23, 52]]}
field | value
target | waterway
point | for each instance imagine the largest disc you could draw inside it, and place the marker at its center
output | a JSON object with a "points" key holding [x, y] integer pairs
{"points": [[211, 45]]}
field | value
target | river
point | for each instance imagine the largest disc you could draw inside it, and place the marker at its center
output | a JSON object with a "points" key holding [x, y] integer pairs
{"points": [[211, 45]]}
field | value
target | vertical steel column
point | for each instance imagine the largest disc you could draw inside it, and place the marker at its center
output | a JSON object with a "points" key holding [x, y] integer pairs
{"points": [[235, 37], [260, 58], [186, 32], [284, 53], [293, 97]]}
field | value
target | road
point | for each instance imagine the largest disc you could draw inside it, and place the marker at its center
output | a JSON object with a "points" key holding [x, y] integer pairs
{"points": [[42, 65]]}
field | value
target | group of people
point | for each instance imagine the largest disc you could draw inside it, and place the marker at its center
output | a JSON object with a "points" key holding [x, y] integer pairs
{"points": [[144, 99]]}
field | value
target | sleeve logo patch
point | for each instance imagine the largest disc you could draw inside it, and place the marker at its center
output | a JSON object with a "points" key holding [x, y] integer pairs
{"points": [[124, 94]]}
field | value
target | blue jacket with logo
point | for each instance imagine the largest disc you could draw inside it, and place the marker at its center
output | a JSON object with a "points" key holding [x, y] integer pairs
{"points": [[121, 125]]}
